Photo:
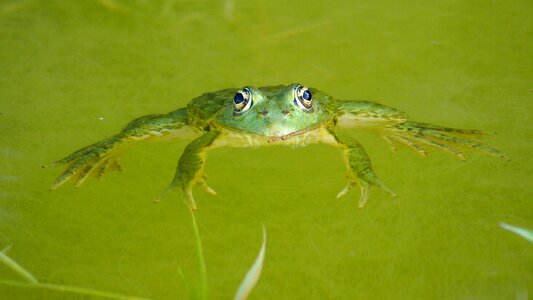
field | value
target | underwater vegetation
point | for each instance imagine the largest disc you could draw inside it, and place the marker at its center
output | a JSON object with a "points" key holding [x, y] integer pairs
{"points": [[31, 282], [524, 233], [196, 291], [199, 290]]}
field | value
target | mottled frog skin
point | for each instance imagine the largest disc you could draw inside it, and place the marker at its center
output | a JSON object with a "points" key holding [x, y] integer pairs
{"points": [[272, 115]]}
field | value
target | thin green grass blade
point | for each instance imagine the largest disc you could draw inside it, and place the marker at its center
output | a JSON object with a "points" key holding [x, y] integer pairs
{"points": [[251, 278], [70, 289], [13, 265], [201, 262], [190, 289], [32, 282], [525, 233], [197, 291]]}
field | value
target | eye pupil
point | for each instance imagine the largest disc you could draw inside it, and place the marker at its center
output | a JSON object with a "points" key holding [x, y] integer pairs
{"points": [[238, 98], [242, 101], [303, 98], [306, 95]]}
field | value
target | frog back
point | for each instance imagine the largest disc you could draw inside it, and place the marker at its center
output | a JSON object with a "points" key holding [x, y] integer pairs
{"points": [[202, 109]]}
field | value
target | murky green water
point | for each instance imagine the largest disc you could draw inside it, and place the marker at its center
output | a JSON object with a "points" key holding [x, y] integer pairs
{"points": [[74, 72]]}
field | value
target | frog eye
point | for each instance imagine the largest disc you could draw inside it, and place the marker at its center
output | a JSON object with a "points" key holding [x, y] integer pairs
{"points": [[303, 98], [243, 100]]}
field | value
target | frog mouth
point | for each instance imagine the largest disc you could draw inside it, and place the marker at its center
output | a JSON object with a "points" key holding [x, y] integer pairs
{"points": [[287, 136]]}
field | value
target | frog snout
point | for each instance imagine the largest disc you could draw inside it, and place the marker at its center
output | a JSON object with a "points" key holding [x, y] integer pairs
{"points": [[275, 113], [282, 113]]}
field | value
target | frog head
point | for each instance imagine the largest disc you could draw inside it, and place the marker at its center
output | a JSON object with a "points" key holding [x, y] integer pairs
{"points": [[274, 111]]}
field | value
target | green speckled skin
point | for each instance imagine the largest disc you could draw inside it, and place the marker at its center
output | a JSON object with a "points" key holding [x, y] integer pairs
{"points": [[274, 113], [273, 118]]}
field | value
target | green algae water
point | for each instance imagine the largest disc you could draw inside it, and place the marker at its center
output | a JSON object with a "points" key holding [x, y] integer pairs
{"points": [[75, 72]]}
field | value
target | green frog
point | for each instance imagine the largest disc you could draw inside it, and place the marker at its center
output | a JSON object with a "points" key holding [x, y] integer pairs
{"points": [[272, 115]]}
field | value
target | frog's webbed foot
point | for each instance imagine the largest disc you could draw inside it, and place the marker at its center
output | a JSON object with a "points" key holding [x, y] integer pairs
{"points": [[359, 168], [364, 185], [393, 142], [189, 171], [187, 190], [96, 159], [101, 157], [416, 135]]}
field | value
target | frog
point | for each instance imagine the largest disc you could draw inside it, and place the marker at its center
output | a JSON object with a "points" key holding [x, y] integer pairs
{"points": [[271, 115]]}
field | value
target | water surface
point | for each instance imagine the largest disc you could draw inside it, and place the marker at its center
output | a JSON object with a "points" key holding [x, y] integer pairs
{"points": [[75, 72]]}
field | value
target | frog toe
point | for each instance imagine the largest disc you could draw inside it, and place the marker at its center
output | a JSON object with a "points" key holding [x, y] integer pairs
{"points": [[102, 169], [382, 185], [391, 143], [410, 144], [187, 190], [83, 175], [67, 175], [59, 181], [115, 165], [346, 190], [365, 188], [209, 189], [206, 187], [189, 199]]}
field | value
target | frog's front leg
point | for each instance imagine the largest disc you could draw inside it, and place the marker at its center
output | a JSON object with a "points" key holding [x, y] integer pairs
{"points": [[359, 167], [189, 171], [100, 157]]}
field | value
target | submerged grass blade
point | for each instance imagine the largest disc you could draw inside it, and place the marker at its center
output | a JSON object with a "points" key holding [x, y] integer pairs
{"points": [[202, 288], [200, 256], [70, 289], [190, 289], [197, 291], [251, 278], [525, 233], [32, 282], [13, 265]]}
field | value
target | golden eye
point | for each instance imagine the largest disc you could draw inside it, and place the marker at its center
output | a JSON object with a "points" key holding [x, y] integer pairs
{"points": [[303, 98], [243, 100]]}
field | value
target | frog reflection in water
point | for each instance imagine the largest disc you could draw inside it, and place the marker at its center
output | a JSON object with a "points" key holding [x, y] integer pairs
{"points": [[288, 115]]}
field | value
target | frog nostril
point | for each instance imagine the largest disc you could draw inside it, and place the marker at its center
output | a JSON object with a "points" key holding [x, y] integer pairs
{"points": [[285, 111], [264, 112]]}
